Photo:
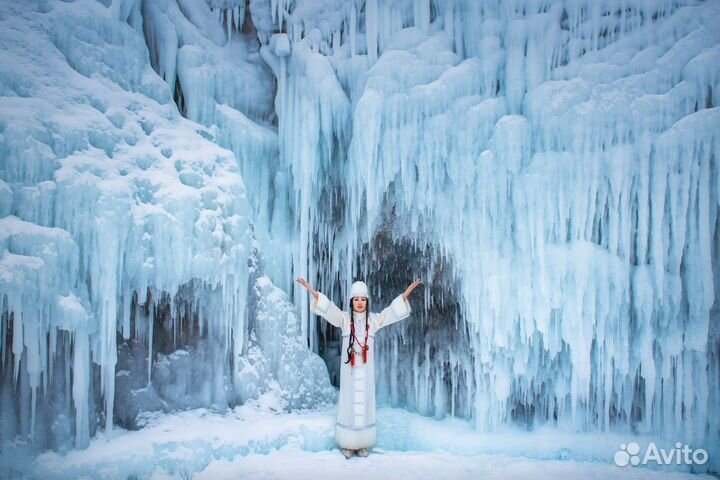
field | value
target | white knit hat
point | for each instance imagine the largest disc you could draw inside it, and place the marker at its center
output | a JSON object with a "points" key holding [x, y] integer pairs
{"points": [[359, 289]]}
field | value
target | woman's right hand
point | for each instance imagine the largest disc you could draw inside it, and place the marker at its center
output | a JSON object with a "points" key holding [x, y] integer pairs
{"points": [[309, 287]]}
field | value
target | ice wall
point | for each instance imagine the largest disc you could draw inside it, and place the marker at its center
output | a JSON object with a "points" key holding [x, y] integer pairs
{"points": [[128, 252], [550, 169]]}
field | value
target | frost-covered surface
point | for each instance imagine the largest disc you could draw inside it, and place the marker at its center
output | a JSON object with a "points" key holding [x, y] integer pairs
{"points": [[127, 252], [255, 441], [563, 145], [210, 57], [550, 169]]}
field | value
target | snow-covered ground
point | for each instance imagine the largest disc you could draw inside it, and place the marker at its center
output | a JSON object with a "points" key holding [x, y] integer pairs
{"points": [[256, 441]]}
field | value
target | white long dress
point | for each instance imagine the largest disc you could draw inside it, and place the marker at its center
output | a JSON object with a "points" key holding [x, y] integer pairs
{"points": [[355, 427]]}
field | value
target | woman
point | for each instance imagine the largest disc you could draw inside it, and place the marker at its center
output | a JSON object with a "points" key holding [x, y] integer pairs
{"points": [[355, 427]]}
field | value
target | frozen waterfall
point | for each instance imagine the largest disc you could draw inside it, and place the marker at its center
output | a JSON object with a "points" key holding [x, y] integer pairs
{"points": [[549, 168]]}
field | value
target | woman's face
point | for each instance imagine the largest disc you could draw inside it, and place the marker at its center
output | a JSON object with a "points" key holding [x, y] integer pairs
{"points": [[359, 304]]}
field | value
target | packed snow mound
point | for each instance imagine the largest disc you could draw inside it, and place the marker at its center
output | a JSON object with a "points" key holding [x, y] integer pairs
{"points": [[301, 375]]}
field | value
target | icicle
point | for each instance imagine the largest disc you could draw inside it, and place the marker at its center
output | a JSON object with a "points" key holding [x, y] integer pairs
{"points": [[151, 326], [4, 318], [228, 23], [81, 386], [422, 14], [371, 29], [127, 305], [17, 343], [353, 29]]}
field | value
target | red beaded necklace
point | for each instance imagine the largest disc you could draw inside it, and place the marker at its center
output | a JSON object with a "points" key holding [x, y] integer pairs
{"points": [[364, 346]]}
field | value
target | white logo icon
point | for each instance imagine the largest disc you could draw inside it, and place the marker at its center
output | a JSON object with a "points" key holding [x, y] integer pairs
{"points": [[627, 454]]}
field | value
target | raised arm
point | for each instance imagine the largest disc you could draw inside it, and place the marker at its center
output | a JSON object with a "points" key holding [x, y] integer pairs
{"points": [[324, 307], [399, 309], [410, 288], [309, 287]]}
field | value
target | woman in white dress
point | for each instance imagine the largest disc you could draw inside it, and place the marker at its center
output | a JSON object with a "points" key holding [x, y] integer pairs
{"points": [[355, 427]]}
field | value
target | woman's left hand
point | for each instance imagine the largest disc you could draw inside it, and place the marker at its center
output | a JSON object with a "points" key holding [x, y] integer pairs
{"points": [[412, 286]]}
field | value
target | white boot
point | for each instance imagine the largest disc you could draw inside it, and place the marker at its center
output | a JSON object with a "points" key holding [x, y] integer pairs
{"points": [[347, 453], [363, 452]]}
